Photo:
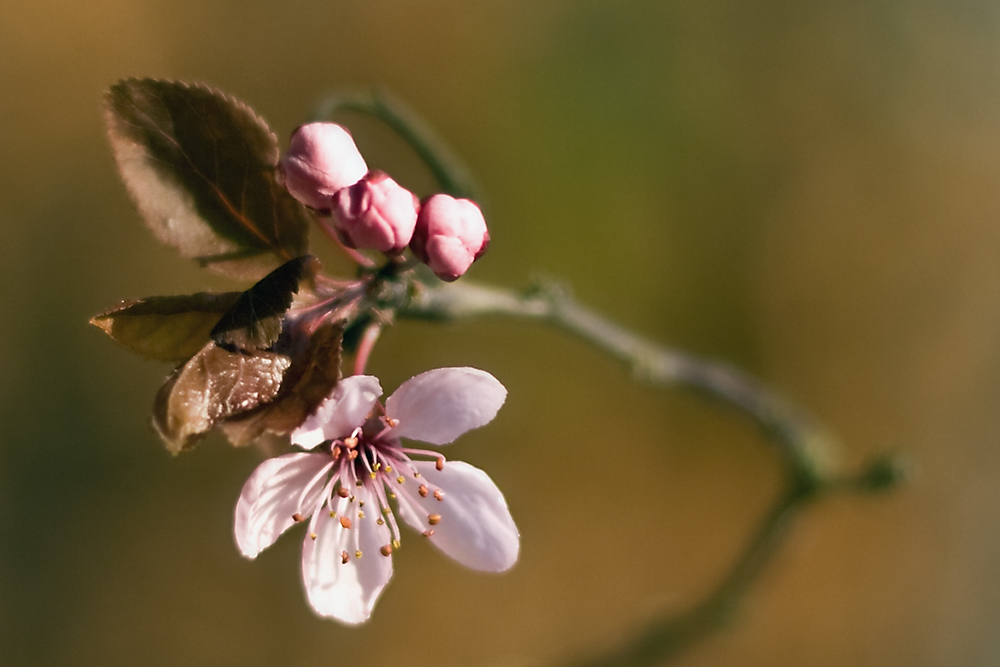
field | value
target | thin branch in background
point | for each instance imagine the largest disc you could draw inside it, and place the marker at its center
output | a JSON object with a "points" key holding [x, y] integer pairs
{"points": [[446, 167], [803, 447]]}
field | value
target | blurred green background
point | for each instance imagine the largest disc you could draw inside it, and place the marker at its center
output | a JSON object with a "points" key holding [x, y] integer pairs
{"points": [[809, 190]]}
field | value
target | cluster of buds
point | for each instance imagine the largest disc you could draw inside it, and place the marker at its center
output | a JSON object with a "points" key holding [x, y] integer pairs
{"points": [[368, 210]]}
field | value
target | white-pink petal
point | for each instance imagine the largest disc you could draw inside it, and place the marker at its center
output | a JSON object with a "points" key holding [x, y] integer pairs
{"points": [[439, 405], [276, 490], [340, 413], [475, 526], [346, 591]]}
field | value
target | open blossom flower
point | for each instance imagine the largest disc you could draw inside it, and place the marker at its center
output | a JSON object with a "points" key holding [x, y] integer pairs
{"points": [[345, 486]]}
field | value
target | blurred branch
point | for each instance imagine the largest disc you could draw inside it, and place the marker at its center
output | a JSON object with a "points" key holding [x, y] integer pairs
{"points": [[449, 171], [803, 446]]}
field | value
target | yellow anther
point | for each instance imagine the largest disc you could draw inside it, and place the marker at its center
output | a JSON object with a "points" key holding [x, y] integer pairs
{"points": [[361, 515], [388, 468], [379, 521], [395, 544], [378, 466], [357, 554], [373, 474], [416, 475], [313, 535], [392, 495], [385, 511], [333, 515], [400, 479]]}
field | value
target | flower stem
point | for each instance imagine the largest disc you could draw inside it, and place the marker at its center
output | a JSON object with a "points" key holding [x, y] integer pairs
{"points": [[365, 347]]}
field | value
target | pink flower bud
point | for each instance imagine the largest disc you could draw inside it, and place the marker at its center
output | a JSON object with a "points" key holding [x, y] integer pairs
{"points": [[375, 213], [321, 159], [450, 235]]}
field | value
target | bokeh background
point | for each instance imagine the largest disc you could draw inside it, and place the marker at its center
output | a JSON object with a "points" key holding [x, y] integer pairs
{"points": [[806, 189]]}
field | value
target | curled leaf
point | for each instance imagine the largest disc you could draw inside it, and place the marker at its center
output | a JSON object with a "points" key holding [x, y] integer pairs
{"points": [[310, 379], [213, 386], [201, 168], [253, 322], [167, 328]]}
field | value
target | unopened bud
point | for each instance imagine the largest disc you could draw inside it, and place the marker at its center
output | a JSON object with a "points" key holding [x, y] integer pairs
{"points": [[375, 213], [321, 159], [450, 235]]}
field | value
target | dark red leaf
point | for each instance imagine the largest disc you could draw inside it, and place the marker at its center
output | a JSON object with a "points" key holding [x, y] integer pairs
{"points": [[201, 167]]}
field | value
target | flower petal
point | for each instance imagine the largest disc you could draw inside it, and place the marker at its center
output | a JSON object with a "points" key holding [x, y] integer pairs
{"points": [[346, 591], [277, 489], [442, 404], [473, 525], [341, 412]]}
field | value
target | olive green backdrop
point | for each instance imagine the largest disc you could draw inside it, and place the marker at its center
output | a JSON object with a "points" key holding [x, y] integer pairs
{"points": [[807, 189]]}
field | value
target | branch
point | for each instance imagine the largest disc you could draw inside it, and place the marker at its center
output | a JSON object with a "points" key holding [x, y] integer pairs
{"points": [[449, 171], [803, 446]]}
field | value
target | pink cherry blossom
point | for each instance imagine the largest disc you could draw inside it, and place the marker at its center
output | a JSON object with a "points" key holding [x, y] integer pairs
{"points": [[344, 488], [375, 213], [321, 159], [450, 235]]}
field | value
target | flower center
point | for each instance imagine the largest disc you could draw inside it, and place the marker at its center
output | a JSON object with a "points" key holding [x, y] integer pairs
{"points": [[370, 467]]}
